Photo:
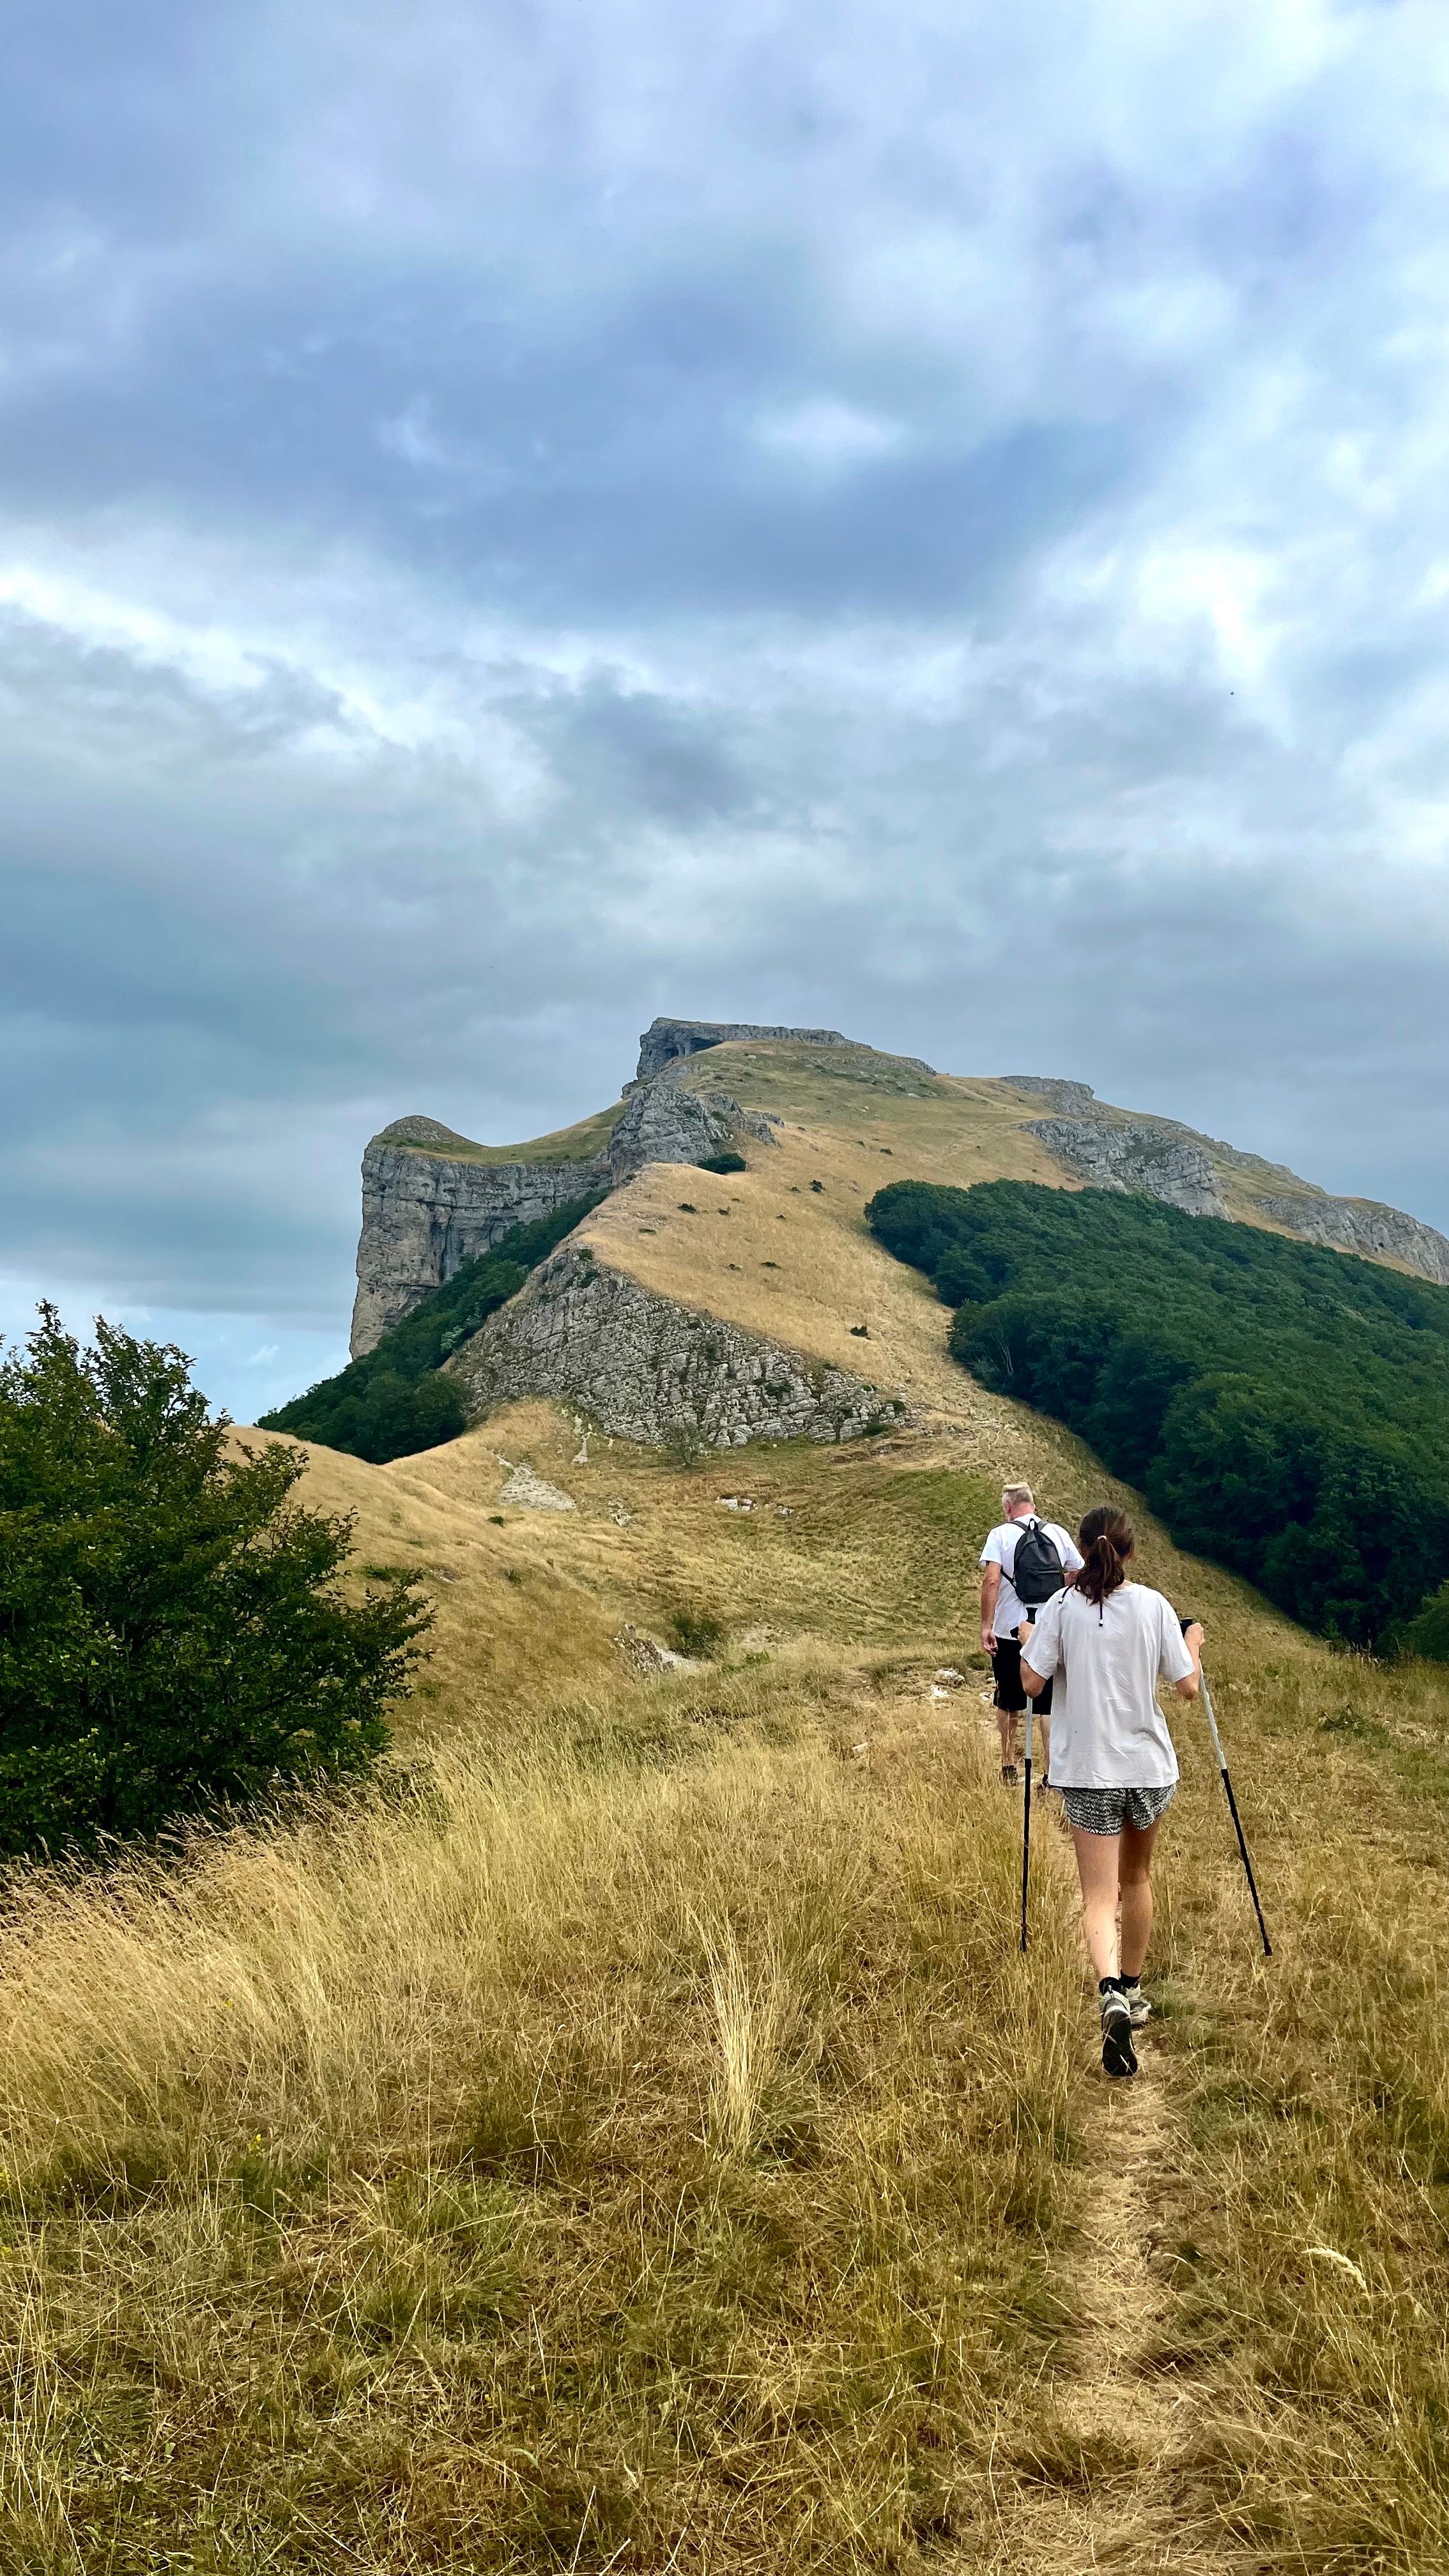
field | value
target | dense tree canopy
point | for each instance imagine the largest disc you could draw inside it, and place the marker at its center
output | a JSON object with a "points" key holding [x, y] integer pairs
{"points": [[392, 1401], [174, 1634], [1285, 1408]]}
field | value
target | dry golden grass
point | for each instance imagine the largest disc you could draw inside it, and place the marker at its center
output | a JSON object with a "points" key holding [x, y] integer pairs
{"points": [[633, 2141], [640, 2144], [603, 2159]]}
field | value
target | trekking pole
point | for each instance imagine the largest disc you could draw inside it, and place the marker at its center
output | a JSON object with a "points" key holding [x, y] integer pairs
{"points": [[1026, 1825], [1207, 1701]]}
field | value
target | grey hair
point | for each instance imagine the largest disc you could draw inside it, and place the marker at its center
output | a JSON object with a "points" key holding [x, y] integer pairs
{"points": [[1011, 1495]]}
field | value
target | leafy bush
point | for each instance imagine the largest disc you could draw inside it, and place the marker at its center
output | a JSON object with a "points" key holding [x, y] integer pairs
{"points": [[392, 1402], [173, 1634], [1285, 1408], [728, 1161]]}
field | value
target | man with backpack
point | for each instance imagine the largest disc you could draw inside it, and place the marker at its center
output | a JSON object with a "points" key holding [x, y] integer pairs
{"points": [[1024, 1563]]}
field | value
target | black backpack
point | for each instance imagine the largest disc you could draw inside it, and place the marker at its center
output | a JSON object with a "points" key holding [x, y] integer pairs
{"points": [[1037, 1570]]}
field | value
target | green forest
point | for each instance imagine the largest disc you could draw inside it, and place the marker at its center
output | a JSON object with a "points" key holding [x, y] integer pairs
{"points": [[1284, 1408], [392, 1401]]}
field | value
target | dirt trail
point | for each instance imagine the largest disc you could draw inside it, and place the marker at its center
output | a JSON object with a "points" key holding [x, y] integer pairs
{"points": [[1109, 2427]]}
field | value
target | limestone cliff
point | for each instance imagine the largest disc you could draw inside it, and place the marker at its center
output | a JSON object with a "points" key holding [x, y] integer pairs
{"points": [[1113, 1151], [666, 1041], [664, 1123], [1362, 1225], [426, 1212], [432, 1199], [653, 1370], [1147, 1154]]}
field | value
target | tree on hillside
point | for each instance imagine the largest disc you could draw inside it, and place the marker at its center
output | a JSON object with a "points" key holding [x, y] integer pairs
{"points": [[1284, 1406], [174, 1634]]}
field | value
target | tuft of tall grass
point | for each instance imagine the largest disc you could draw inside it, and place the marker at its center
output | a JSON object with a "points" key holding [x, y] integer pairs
{"points": [[603, 2157]]}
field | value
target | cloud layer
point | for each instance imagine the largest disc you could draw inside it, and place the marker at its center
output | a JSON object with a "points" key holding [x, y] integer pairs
{"points": [[515, 520]]}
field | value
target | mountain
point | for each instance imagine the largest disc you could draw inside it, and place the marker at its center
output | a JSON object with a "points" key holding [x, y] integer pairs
{"points": [[632, 2136], [721, 1308]]}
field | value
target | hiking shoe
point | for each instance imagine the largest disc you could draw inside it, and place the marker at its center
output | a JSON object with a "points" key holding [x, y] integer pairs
{"points": [[1138, 2007], [1119, 2057], [1008, 1774]]}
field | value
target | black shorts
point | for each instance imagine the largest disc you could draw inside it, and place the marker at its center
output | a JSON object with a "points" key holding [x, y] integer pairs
{"points": [[1006, 1665]]}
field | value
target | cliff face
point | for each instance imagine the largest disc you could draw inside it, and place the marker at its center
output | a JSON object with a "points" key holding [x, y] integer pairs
{"points": [[665, 1124], [1362, 1225], [432, 1200], [424, 1214], [664, 1041], [1162, 1161], [652, 1370]]}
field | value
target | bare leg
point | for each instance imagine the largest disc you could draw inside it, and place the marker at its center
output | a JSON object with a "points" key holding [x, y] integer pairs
{"points": [[1044, 1739], [1097, 1869], [1135, 1865], [1006, 1729]]}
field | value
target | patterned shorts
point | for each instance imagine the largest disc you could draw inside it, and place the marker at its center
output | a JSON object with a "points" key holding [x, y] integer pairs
{"points": [[1106, 1811]]}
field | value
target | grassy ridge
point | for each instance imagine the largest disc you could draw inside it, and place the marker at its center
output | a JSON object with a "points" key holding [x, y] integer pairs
{"points": [[1285, 1408]]}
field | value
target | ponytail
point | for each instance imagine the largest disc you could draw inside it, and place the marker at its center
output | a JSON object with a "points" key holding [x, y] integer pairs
{"points": [[1106, 1541]]}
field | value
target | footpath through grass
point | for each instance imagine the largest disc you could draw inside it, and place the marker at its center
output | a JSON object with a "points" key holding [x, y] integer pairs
{"points": [[603, 2160], [639, 2143]]}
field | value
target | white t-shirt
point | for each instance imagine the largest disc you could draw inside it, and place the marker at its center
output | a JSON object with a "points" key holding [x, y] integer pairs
{"points": [[1000, 1549], [1105, 1664]]}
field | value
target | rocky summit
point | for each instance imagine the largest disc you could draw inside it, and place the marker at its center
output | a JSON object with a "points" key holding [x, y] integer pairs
{"points": [[680, 1308]]}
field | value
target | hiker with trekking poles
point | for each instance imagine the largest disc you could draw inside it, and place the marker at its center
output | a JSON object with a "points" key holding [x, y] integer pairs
{"points": [[1106, 1642], [1024, 1561]]}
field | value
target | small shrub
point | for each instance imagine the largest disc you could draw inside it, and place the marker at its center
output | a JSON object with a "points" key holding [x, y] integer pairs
{"points": [[696, 1633], [688, 1208]]}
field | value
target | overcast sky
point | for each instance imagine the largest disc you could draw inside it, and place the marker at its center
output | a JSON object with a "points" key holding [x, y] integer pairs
{"points": [[514, 517]]}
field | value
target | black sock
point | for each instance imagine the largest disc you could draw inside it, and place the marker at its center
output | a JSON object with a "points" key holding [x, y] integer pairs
{"points": [[1109, 1985], [1130, 1985]]}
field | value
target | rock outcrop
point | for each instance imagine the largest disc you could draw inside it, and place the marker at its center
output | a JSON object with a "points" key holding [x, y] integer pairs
{"points": [[1167, 1161], [1362, 1225], [1069, 1099], [664, 1123], [424, 1213], [1148, 1154], [653, 1371], [664, 1041]]}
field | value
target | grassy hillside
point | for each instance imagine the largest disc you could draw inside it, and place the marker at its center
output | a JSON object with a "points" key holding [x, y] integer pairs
{"points": [[632, 2139], [642, 2145]]}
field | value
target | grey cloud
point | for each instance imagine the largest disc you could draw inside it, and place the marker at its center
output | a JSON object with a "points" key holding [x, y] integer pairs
{"points": [[515, 523]]}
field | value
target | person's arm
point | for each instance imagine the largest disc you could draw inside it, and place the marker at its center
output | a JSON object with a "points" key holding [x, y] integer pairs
{"points": [[1032, 1681], [990, 1587], [1191, 1683]]}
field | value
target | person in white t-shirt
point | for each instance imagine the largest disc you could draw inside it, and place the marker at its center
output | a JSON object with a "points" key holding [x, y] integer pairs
{"points": [[1105, 1645], [1002, 1613]]}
